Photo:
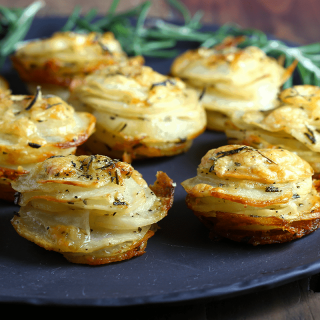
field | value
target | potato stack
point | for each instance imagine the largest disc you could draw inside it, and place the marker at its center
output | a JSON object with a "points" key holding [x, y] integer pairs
{"points": [[254, 196], [55, 62], [294, 125], [33, 128], [231, 79], [92, 209], [140, 113]]}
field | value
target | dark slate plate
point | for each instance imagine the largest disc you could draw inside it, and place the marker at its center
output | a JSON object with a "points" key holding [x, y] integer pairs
{"points": [[180, 263]]}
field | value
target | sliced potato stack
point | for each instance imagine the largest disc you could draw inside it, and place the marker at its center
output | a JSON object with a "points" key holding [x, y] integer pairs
{"points": [[294, 125], [231, 79], [33, 128], [54, 62], [255, 196], [140, 113], [92, 209]]}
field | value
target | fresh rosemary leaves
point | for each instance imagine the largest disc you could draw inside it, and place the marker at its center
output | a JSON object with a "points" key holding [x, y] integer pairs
{"points": [[158, 38], [14, 25]]}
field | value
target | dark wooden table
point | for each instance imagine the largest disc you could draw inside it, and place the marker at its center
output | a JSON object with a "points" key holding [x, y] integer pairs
{"points": [[294, 20]]}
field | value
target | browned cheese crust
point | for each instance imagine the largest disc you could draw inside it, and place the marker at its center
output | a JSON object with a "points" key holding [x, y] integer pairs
{"points": [[140, 113], [294, 125], [92, 209], [33, 128], [231, 79], [255, 196]]}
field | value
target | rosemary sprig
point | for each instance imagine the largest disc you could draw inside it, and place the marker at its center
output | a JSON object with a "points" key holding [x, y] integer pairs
{"points": [[15, 24], [137, 35], [158, 38]]}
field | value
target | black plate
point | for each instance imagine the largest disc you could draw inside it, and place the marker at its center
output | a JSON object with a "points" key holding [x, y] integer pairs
{"points": [[180, 263]]}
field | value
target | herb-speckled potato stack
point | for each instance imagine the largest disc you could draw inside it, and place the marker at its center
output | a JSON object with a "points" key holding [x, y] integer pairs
{"points": [[92, 209], [140, 112], [54, 62], [33, 128], [254, 196], [294, 125], [231, 79]]}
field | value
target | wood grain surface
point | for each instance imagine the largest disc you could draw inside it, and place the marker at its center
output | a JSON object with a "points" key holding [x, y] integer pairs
{"points": [[294, 20]]}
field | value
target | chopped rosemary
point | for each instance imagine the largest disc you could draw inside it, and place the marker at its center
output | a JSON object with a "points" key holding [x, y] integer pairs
{"points": [[272, 189], [163, 83], [310, 135], [202, 93], [117, 176], [119, 203], [123, 127], [222, 154], [34, 145], [34, 100], [90, 159], [52, 105]]}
